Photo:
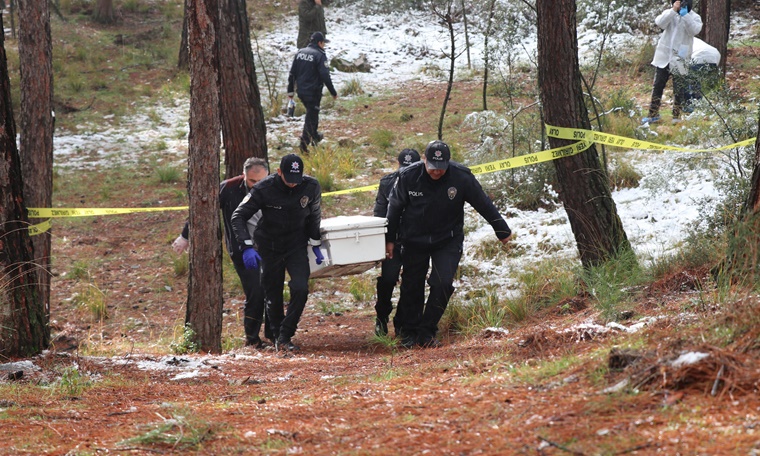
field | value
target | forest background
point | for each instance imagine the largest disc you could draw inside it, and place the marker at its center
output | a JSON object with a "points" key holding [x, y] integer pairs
{"points": [[627, 356]]}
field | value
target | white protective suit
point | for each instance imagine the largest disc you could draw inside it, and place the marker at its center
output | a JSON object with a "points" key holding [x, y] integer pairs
{"points": [[677, 41]]}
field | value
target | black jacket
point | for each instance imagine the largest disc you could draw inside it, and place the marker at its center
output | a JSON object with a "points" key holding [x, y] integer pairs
{"points": [[231, 194], [290, 217], [433, 211], [309, 73], [384, 193]]}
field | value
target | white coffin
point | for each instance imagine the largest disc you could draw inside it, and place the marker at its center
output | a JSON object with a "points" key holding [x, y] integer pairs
{"points": [[350, 245]]}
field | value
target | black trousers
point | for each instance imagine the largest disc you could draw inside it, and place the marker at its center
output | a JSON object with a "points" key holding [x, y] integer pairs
{"points": [[253, 312], [390, 269], [274, 265], [420, 318], [311, 122], [661, 76]]}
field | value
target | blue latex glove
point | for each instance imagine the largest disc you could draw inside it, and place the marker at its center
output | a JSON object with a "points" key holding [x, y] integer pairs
{"points": [[318, 254], [251, 258], [684, 11]]}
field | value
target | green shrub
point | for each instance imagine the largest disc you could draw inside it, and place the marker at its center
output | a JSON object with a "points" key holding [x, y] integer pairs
{"points": [[168, 174], [72, 383], [351, 87], [325, 163], [611, 282], [187, 343], [382, 138], [362, 287], [92, 299]]}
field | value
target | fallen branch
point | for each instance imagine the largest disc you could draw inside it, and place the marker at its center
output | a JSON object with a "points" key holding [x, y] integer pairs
{"points": [[557, 445]]}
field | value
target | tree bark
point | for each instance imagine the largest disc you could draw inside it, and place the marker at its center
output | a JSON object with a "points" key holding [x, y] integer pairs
{"points": [[37, 124], [104, 12], [584, 187], [204, 286], [243, 128], [23, 328], [183, 60], [715, 27]]}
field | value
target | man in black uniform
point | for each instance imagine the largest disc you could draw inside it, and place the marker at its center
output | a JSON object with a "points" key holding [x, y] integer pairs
{"points": [[290, 218], [309, 73], [426, 216], [231, 193], [391, 267]]}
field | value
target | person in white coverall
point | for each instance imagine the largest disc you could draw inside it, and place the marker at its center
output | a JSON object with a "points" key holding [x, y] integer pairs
{"points": [[671, 57], [703, 68]]}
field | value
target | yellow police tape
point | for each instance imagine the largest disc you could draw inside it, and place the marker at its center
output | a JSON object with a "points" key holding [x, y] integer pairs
{"points": [[584, 137], [501, 165], [70, 212], [50, 213], [621, 141]]}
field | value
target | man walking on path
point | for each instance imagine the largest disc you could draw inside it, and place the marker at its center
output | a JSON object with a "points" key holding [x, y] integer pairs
{"points": [[290, 205], [391, 267], [426, 217], [231, 193], [309, 73]]}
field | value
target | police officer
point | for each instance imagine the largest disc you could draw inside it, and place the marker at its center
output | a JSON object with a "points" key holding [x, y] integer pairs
{"points": [[426, 216], [391, 267], [231, 193], [308, 74], [290, 218]]}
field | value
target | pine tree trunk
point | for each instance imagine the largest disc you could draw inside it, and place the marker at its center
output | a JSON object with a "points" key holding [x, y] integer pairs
{"points": [[23, 328], [204, 286], [584, 187], [243, 128], [183, 60], [36, 145], [715, 27], [104, 12]]}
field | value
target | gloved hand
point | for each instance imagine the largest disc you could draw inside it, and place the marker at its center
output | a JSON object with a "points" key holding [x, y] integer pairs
{"points": [[180, 244], [318, 254], [684, 11], [251, 258]]}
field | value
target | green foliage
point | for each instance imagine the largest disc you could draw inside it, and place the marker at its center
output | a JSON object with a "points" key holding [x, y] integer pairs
{"points": [[187, 343], [470, 316], [699, 249], [181, 265], [543, 284], [382, 138], [326, 163], [546, 369], [72, 383], [611, 282], [362, 287], [331, 308], [92, 299], [168, 174], [80, 270], [183, 431], [351, 87]]}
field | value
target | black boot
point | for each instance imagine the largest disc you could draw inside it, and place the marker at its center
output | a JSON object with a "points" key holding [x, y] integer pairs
{"points": [[284, 343]]}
